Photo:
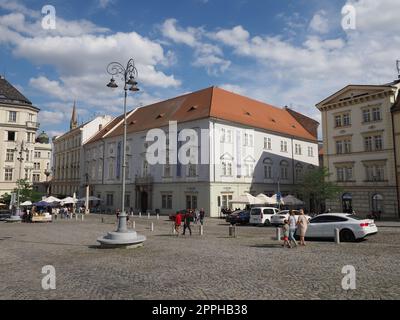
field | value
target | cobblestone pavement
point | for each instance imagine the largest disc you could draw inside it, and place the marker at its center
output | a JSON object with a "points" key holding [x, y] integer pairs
{"points": [[251, 266]]}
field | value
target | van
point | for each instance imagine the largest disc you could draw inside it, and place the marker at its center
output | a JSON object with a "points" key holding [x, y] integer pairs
{"points": [[262, 215]]}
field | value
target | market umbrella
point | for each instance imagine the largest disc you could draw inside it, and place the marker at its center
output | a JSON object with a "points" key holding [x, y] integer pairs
{"points": [[265, 199], [292, 201], [68, 200], [90, 199], [26, 204], [51, 200], [247, 198]]}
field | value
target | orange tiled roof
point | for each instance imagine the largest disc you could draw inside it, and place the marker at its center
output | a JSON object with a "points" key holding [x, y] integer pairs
{"points": [[219, 104]]}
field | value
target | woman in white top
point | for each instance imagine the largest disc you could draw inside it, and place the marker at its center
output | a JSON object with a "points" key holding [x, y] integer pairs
{"points": [[302, 224], [292, 228]]}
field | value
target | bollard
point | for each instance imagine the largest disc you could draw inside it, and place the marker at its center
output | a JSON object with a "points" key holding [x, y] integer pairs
{"points": [[140, 214], [76, 217], [201, 230], [148, 215], [173, 229], [158, 216], [152, 227], [278, 234], [232, 231], [83, 217], [337, 236], [134, 224], [102, 220]]}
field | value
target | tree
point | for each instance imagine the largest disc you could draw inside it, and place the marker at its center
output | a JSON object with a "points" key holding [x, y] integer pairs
{"points": [[26, 192], [316, 188]]}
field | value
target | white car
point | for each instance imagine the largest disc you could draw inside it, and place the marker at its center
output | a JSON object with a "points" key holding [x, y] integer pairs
{"points": [[278, 219], [262, 215], [351, 227]]}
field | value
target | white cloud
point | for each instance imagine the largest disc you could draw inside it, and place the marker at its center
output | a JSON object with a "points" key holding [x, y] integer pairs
{"points": [[104, 3], [206, 55], [319, 22]]}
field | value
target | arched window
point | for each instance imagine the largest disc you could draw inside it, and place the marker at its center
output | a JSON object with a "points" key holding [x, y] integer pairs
{"points": [[299, 171], [377, 203], [284, 170], [268, 163]]}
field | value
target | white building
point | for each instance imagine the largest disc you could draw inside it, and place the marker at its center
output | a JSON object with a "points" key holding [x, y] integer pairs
{"points": [[68, 176], [18, 127], [359, 148], [252, 147]]}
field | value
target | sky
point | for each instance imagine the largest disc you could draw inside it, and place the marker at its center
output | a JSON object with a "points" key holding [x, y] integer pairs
{"points": [[286, 53]]}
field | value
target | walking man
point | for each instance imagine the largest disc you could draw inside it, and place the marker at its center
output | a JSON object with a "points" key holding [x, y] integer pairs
{"points": [[187, 221]]}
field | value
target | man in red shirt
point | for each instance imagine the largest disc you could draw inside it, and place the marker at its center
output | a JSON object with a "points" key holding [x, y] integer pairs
{"points": [[178, 222]]}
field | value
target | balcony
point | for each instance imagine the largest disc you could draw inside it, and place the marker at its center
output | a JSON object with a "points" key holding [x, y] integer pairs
{"points": [[144, 180], [33, 125]]}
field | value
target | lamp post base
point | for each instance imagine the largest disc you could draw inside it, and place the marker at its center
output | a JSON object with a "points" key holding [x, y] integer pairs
{"points": [[125, 240], [14, 219]]}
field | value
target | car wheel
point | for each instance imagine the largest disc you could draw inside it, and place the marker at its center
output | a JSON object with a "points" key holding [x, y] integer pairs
{"points": [[347, 236], [267, 223]]}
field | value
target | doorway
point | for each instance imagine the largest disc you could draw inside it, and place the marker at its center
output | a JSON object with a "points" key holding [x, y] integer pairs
{"points": [[144, 197]]}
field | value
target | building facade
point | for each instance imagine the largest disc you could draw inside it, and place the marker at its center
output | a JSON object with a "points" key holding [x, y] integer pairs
{"points": [[18, 145], [396, 135], [359, 148], [68, 176], [243, 146]]}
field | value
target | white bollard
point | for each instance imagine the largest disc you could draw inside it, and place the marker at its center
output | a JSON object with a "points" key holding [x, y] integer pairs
{"points": [[83, 217], [134, 224], [337, 236], [140, 214], [232, 231], [158, 217], [278, 234], [152, 227], [173, 229], [76, 217], [148, 215], [201, 230]]}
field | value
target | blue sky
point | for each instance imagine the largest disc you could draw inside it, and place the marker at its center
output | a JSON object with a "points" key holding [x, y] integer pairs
{"points": [[291, 53]]}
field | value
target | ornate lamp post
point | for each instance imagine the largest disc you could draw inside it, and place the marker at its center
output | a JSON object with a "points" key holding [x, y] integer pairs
{"points": [[16, 217], [123, 237]]}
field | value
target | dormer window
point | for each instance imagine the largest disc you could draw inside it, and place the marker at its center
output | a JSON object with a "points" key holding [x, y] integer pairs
{"points": [[161, 115], [193, 108]]}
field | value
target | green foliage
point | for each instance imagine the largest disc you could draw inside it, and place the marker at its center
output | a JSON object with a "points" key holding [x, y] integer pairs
{"points": [[316, 188], [26, 192]]}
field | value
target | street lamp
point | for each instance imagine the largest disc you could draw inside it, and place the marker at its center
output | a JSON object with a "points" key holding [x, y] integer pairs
{"points": [[123, 237], [16, 217]]}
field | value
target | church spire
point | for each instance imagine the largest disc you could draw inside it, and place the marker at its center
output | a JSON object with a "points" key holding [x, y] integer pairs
{"points": [[74, 120]]}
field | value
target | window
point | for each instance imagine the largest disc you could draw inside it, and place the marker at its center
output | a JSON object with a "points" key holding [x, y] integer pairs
{"points": [[192, 171], [375, 173], [267, 144], [225, 201], [229, 136], [145, 168], [284, 146], [366, 115], [349, 174], [11, 135], [224, 168], [229, 173], [10, 155], [8, 174], [338, 121], [339, 147], [110, 200], [36, 166], [299, 171], [346, 119], [223, 135], [268, 168], [376, 114], [37, 155], [340, 174], [368, 143], [36, 178], [377, 203], [166, 201], [310, 151], [378, 143], [347, 146], [12, 116], [298, 149], [249, 169], [191, 202], [284, 170]]}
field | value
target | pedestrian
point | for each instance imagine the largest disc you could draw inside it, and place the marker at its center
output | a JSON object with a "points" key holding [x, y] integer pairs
{"points": [[178, 222], [292, 228], [187, 221], [197, 216], [202, 216], [117, 213], [285, 228], [302, 224]]}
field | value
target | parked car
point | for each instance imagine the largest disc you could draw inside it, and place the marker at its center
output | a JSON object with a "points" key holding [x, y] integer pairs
{"points": [[4, 215], [278, 219], [262, 215], [351, 227], [239, 217]]}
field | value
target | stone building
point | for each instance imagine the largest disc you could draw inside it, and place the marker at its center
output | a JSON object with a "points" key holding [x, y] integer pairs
{"points": [[68, 177], [359, 147], [18, 147], [248, 146]]}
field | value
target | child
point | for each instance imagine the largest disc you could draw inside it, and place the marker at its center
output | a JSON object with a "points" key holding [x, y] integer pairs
{"points": [[285, 228]]}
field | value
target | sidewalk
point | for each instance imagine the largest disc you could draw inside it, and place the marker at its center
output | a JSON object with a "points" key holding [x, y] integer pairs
{"points": [[388, 224]]}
